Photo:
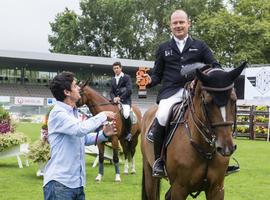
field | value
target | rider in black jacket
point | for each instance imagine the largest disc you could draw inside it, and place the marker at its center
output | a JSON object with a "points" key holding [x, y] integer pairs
{"points": [[121, 90], [171, 56]]}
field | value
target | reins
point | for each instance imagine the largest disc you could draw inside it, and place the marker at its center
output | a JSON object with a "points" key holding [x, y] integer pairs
{"points": [[101, 104]]}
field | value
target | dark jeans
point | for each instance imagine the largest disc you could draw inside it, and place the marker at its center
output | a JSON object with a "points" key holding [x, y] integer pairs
{"points": [[57, 191]]}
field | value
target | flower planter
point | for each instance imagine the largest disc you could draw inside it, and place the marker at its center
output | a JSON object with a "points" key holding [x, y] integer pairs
{"points": [[17, 150], [41, 167]]}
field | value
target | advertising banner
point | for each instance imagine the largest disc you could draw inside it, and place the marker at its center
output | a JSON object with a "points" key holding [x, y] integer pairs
{"points": [[31, 101]]}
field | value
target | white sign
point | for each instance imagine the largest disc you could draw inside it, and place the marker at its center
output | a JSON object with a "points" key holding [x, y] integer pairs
{"points": [[4, 99], [31, 101], [257, 83], [51, 101]]}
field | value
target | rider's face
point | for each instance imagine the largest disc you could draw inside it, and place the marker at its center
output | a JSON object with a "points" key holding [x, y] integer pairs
{"points": [[117, 70], [179, 24]]}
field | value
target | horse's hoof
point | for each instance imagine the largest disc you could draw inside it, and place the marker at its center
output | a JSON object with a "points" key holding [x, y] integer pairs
{"points": [[98, 178], [117, 178], [126, 172], [133, 172]]}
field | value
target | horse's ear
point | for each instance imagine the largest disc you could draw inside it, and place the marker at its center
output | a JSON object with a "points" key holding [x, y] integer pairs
{"points": [[201, 76], [85, 83], [237, 71]]}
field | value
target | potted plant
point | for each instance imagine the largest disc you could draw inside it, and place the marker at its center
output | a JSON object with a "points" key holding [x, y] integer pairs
{"points": [[40, 149], [9, 139]]}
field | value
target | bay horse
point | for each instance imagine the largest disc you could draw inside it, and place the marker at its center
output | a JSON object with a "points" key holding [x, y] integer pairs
{"points": [[198, 154], [98, 103]]}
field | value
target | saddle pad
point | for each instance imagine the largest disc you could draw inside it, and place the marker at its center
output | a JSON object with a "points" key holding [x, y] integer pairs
{"points": [[133, 117]]}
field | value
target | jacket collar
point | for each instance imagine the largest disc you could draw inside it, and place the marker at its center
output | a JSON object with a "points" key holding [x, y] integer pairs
{"points": [[187, 44]]}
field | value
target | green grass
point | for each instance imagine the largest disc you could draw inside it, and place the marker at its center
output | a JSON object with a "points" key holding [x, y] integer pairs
{"points": [[252, 182]]}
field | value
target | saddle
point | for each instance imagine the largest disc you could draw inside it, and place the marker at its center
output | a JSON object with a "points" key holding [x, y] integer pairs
{"points": [[176, 114]]}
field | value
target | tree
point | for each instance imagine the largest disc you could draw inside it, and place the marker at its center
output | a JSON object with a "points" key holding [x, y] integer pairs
{"points": [[126, 29], [242, 33], [66, 34]]}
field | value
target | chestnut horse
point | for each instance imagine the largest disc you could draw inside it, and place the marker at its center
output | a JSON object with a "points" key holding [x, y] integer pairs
{"points": [[98, 103], [198, 154]]}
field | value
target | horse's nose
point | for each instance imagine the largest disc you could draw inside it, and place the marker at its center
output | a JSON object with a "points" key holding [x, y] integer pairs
{"points": [[226, 151]]}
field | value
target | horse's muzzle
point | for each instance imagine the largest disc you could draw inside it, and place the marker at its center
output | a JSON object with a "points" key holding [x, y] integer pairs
{"points": [[226, 151]]}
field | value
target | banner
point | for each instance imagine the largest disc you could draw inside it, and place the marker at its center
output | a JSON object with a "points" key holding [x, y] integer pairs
{"points": [[4, 99], [31, 101], [257, 83]]}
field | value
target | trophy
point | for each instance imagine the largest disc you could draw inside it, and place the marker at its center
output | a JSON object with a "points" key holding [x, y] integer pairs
{"points": [[142, 93]]}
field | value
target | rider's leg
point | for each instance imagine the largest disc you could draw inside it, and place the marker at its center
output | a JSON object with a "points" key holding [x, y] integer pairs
{"points": [[159, 130], [128, 124]]}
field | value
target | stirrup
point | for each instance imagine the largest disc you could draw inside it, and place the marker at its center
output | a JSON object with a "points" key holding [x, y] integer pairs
{"points": [[128, 137], [161, 172], [233, 168], [150, 136]]}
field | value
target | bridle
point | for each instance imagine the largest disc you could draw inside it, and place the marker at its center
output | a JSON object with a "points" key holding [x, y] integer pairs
{"points": [[206, 129], [94, 104]]}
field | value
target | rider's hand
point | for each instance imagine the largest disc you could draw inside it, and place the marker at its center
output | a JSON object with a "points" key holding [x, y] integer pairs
{"points": [[139, 78], [109, 129], [110, 115], [116, 99]]}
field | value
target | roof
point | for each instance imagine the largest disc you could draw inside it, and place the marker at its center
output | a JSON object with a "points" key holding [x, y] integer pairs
{"points": [[57, 60]]}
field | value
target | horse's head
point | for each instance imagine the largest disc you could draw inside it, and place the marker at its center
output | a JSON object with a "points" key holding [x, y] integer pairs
{"points": [[83, 99], [216, 98]]}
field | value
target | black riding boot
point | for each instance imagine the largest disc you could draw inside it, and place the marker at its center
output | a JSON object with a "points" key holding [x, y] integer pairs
{"points": [[158, 166], [128, 135]]}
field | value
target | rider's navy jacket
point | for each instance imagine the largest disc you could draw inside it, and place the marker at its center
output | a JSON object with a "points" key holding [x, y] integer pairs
{"points": [[169, 62], [123, 89]]}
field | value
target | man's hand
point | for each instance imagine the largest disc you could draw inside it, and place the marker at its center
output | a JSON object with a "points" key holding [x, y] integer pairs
{"points": [[110, 115], [143, 77], [116, 99], [109, 129]]}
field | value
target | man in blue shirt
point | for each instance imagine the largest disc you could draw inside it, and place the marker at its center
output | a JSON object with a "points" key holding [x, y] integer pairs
{"points": [[64, 177]]}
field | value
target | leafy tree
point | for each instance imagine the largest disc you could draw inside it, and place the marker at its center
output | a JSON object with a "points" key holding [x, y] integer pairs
{"points": [[126, 29], [242, 33], [66, 34]]}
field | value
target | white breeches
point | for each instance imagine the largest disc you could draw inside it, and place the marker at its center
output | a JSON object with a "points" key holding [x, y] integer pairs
{"points": [[126, 110], [165, 105]]}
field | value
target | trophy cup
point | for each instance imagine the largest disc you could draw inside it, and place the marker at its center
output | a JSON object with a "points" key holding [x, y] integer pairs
{"points": [[142, 93]]}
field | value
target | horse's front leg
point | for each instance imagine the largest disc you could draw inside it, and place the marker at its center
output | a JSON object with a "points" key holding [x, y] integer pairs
{"points": [[215, 193], [178, 192], [100, 162], [133, 150], [115, 146]]}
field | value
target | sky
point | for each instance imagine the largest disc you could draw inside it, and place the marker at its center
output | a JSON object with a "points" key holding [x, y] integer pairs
{"points": [[25, 23]]}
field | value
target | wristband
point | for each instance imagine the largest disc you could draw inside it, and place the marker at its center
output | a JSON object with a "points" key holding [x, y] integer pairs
{"points": [[104, 134]]}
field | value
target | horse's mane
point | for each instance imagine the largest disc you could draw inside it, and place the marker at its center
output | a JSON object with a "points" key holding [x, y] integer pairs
{"points": [[97, 93]]}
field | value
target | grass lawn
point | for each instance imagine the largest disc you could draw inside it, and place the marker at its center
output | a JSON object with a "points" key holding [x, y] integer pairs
{"points": [[252, 182]]}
